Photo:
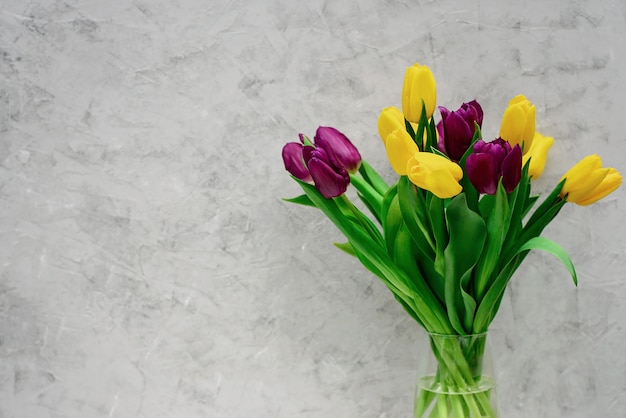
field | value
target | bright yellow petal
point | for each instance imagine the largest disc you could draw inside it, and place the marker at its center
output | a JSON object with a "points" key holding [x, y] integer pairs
{"points": [[513, 124], [610, 183], [577, 175], [584, 189], [390, 119], [538, 154], [436, 174], [428, 90], [400, 148], [519, 99], [529, 129], [419, 84]]}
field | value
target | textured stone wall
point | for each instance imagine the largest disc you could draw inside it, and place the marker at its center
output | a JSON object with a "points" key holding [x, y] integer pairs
{"points": [[149, 268]]}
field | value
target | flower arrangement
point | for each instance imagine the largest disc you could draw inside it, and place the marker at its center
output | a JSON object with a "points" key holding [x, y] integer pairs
{"points": [[447, 237]]}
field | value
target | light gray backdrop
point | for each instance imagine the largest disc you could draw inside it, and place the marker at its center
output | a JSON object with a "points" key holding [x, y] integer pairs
{"points": [[149, 268]]}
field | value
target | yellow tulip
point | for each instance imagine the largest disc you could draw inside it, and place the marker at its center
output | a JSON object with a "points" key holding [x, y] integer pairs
{"points": [[518, 123], [390, 119], [400, 148], [419, 84], [610, 183], [587, 181], [539, 153], [435, 173]]}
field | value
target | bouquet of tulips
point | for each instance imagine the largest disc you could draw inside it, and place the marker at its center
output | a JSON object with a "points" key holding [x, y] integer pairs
{"points": [[447, 237]]}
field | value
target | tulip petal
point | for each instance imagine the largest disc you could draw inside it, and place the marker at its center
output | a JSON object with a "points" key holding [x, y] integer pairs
{"points": [[610, 183], [478, 110], [513, 123], [538, 154], [329, 182], [458, 135], [435, 173], [529, 129], [390, 119], [330, 138], [584, 189], [512, 169], [400, 148], [294, 161], [482, 172]]}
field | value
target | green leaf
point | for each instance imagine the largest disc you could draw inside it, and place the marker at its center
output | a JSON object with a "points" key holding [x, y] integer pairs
{"points": [[549, 246], [485, 205], [436, 214], [404, 256], [372, 199], [346, 206], [431, 135], [346, 247], [548, 203], [422, 127], [409, 128], [373, 178], [497, 227], [487, 308], [413, 207], [300, 200], [467, 236], [392, 223], [375, 211]]}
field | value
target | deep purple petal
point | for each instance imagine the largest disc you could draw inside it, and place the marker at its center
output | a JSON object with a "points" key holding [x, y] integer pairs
{"points": [[458, 136], [294, 162], [512, 169], [329, 182], [482, 172], [479, 111], [480, 146], [444, 112], [441, 144], [307, 153], [331, 139]]}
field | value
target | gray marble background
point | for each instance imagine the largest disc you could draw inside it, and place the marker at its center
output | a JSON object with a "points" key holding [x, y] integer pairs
{"points": [[149, 268]]}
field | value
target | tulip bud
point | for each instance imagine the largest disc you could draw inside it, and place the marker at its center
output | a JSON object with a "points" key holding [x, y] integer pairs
{"points": [[537, 154], [518, 123], [400, 148], [491, 161], [435, 173], [587, 181], [419, 86], [390, 119], [330, 138], [456, 129]]}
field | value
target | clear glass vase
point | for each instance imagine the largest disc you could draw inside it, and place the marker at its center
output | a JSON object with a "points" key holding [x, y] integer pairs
{"points": [[455, 378]]}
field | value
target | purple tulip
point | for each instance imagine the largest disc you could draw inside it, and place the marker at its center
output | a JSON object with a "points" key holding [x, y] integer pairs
{"points": [[325, 163], [456, 129], [491, 161], [330, 138]]}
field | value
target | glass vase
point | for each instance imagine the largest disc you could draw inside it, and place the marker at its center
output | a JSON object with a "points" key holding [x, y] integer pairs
{"points": [[455, 378]]}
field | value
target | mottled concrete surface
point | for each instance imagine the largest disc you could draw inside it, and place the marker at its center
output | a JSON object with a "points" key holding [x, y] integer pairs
{"points": [[149, 268]]}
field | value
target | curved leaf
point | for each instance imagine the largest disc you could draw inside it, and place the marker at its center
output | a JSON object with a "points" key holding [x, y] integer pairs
{"points": [[549, 246], [467, 237]]}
